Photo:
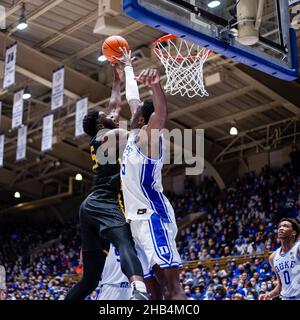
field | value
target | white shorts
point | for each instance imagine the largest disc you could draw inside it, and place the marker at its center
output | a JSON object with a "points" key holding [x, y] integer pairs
{"points": [[114, 292], [155, 243]]}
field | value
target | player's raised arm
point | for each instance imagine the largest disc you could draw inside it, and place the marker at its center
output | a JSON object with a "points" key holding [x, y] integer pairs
{"points": [[158, 119], [132, 90], [114, 105]]}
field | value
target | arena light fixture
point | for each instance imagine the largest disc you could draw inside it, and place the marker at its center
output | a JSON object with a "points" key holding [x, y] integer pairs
{"points": [[78, 177], [214, 4], [22, 24], [17, 195], [102, 58], [233, 131], [26, 94]]}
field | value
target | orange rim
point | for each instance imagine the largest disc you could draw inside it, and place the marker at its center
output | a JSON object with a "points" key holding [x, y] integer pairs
{"points": [[167, 37]]}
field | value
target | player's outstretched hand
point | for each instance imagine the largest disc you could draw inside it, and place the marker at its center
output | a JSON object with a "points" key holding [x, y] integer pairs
{"points": [[126, 57], [149, 77]]}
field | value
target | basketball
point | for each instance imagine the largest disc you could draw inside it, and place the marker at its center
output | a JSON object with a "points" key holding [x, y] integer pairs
{"points": [[111, 47]]}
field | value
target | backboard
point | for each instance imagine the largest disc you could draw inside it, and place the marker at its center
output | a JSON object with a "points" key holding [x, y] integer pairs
{"points": [[216, 25]]}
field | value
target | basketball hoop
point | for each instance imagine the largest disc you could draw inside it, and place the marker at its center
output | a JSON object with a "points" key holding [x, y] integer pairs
{"points": [[183, 62]]}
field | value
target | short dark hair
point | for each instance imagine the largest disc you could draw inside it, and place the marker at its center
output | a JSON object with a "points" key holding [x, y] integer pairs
{"points": [[89, 123], [294, 223], [147, 110]]}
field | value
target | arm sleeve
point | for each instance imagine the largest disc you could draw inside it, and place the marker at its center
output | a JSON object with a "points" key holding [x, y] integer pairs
{"points": [[132, 90]]}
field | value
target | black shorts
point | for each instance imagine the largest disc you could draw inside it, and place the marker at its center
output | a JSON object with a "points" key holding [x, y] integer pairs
{"points": [[99, 211]]}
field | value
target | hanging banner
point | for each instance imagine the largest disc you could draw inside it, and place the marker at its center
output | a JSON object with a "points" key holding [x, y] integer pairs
{"points": [[10, 66], [47, 135], [57, 97], [17, 116], [1, 149], [21, 145], [81, 111]]}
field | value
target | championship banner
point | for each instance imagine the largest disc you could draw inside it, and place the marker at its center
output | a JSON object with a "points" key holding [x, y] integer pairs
{"points": [[10, 66], [17, 116], [57, 97], [47, 135], [81, 111], [1, 149], [21, 145]]}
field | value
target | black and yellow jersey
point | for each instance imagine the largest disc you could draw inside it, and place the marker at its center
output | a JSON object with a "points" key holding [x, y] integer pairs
{"points": [[107, 176]]}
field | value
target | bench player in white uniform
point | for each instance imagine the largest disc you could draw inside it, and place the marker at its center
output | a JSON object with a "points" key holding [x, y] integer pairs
{"points": [[148, 211], [285, 262], [114, 285]]}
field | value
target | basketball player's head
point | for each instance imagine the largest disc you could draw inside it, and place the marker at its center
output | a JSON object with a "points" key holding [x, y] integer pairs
{"points": [[288, 229], [143, 114], [95, 121]]}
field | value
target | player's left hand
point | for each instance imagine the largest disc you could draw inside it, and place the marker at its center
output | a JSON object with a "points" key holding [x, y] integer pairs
{"points": [[149, 77], [126, 57]]}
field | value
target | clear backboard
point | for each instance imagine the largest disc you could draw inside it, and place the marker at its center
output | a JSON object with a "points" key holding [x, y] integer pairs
{"points": [[254, 32]]}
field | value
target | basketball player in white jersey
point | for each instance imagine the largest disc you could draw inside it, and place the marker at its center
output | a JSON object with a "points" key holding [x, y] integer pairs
{"points": [[114, 285], [285, 262], [149, 212]]}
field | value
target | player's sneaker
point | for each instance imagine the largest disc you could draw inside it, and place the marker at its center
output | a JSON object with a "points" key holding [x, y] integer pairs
{"points": [[139, 295]]}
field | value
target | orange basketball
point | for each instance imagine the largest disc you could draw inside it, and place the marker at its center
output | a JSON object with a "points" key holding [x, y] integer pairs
{"points": [[111, 47]]}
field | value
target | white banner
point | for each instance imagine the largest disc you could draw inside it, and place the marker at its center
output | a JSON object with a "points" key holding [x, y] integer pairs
{"points": [[57, 97], [81, 111], [1, 149], [21, 145], [10, 66], [47, 135], [17, 116]]}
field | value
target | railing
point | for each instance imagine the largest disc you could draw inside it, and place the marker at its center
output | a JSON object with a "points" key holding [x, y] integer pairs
{"points": [[209, 263]]}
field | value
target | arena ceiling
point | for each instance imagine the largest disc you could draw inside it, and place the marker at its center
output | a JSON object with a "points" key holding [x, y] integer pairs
{"points": [[60, 32]]}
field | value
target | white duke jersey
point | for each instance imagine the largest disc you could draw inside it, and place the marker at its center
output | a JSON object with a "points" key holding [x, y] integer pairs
{"points": [[112, 273], [142, 183], [287, 267]]}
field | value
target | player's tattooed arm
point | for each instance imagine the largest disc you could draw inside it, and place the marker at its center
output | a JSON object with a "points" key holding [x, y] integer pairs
{"points": [[114, 105]]}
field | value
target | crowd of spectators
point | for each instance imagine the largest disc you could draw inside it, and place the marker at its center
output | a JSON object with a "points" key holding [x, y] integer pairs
{"points": [[245, 216], [39, 275], [240, 220], [198, 198], [245, 281]]}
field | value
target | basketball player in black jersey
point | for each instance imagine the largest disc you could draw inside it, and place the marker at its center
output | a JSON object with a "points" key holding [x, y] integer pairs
{"points": [[102, 219]]}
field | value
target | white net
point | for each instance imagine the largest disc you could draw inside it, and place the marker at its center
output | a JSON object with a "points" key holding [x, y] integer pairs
{"points": [[183, 62]]}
